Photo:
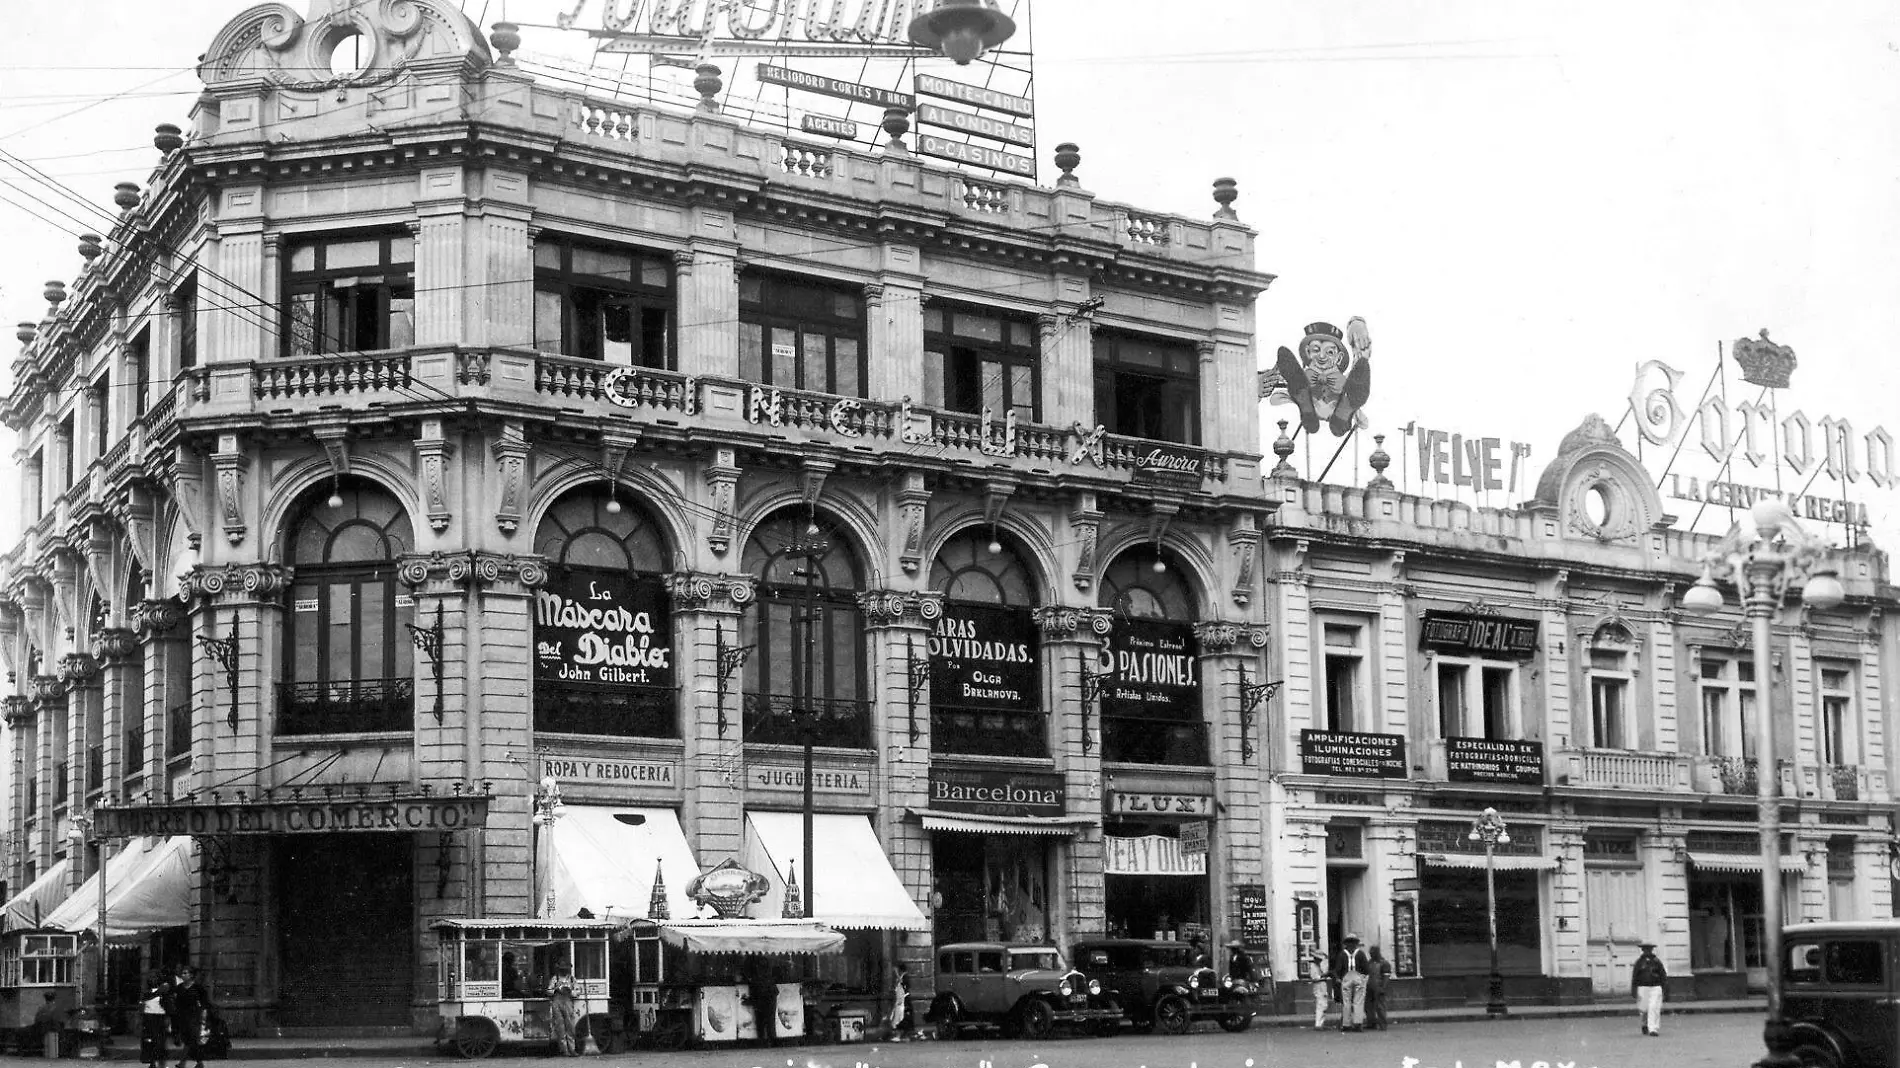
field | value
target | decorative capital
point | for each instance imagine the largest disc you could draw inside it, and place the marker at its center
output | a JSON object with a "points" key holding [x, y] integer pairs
{"points": [[19, 711], [118, 643], [887, 608], [232, 582], [469, 568], [696, 592], [79, 669], [1063, 623], [1221, 637], [48, 687], [157, 617]]}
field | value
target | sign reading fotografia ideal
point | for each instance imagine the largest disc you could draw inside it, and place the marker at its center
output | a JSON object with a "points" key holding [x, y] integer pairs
{"points": [[1463, 634], [603, 627], [985, 657]]}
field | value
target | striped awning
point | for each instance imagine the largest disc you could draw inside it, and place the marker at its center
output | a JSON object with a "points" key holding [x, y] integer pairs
{"points": [[969, 823], [1740, 862], [1476, 860]]}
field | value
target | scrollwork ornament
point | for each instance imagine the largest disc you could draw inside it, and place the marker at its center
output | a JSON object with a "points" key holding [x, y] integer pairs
{"points": [[702, 587], [459, 570], [1257, 637], [413, 573], [930, 608], [531, 572], [1101, 624], [740, 592]]}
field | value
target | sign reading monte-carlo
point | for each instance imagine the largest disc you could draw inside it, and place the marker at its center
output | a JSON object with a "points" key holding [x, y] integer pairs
{"points": [[997, 792], [1365, 756], [395, 814], [1466, 634], [603, 627], [986, 657], [1152, 670]]}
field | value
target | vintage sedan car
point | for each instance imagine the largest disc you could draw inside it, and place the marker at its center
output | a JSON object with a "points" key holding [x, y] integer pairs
{"points": [[1161, 986], [1028, 990], [1840, 985]]}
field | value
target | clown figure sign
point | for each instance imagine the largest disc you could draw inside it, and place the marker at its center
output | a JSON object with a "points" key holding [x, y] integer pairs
{"points": [[1328, 381]]}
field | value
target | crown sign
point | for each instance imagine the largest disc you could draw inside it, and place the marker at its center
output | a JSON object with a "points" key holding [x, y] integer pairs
{"points": [[1765, 363]]}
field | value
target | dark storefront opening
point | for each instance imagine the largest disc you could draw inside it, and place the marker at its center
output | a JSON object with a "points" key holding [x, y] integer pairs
{"points": [[345, 929], [1725, 924], [1159, 900], [990, 887], [1453, 930]]}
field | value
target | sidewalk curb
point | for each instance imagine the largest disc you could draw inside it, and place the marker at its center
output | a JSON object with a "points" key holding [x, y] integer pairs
{"points": [[1524, 1012]]}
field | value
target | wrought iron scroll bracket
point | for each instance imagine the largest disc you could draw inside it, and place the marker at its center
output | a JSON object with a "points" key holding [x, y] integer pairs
{"points": [[919, 679], [1251, 695], [429, 641], [731, 658], [1092, 683], [225, 652]]}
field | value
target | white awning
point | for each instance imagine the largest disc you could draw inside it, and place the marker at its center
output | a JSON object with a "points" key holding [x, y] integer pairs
{"points": [[1476, 860], [31, 906], [968, 823], [856, 887], [798, 937], [605, 859], [1740, 862], [148, 889]]}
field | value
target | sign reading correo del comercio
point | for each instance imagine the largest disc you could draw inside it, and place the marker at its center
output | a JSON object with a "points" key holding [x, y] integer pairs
{"points": [[401, 815]]}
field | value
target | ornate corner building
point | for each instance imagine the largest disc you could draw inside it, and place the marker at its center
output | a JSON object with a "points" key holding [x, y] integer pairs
{"points": [[1441, 659], [434, 465]]}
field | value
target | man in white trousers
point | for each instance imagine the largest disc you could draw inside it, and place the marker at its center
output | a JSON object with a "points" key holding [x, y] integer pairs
{"points": [[1646, 981]]}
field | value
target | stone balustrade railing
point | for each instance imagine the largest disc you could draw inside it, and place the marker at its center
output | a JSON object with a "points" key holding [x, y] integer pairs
{"points": [[1625, 769], [331, 376]]}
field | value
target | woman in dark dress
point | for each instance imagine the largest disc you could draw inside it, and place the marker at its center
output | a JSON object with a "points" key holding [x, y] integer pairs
{"points": [[190, 1002]]}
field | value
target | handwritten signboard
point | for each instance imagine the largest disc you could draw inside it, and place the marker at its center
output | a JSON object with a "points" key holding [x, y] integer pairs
{"points": [[1364, 756], [1153, 673], [603, 627], [1520, 763], [1465, 634], [985, 657], [1404, 938], [1250, 901]]}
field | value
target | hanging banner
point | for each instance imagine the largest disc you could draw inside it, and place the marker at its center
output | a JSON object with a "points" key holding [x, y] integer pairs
{"points": [[603, 628], [1150, 854], [985, 657], [1153, 671]]}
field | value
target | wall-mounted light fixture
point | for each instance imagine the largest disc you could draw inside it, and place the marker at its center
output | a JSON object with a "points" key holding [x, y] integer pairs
{"points": [[429, 641], [225, 651], [1092, 681], [1251, 694], [918, 677], [730, 658]]}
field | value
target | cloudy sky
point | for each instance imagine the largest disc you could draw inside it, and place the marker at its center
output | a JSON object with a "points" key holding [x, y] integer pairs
{"points": [[1523, 199]]}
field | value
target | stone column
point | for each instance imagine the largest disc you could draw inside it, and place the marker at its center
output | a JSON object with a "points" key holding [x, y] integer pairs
{"points": [[498, 622], [124, 697], [439, 272], [1236, 740], [83, 697], [241, 604], [895, 313], [898, 625], [49, 697], [706, 276], [157, 622], [229, 292], [499, 303], [1071, 647], [706, 612], [20, 723], [1068, 359]]}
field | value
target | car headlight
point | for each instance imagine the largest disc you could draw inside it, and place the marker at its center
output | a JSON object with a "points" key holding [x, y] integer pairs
{"points": [[1065, 988], [1095, 986], [1194, 981], [1228, 982]]}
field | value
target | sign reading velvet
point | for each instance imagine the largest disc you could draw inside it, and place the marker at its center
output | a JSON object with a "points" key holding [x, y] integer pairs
{"points": [[1152, 671], [985, 657], [603, 628]]}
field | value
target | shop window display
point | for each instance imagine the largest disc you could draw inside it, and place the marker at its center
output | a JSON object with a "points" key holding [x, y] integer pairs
{"points": [[991, 888], [1453, 930]]}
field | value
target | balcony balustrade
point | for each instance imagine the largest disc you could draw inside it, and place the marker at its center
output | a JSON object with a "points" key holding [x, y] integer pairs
{"points": [[973, 733], [1142, 740], [1622, 769], [346, 706], [339, 375], [616, 711], [782, 719]]}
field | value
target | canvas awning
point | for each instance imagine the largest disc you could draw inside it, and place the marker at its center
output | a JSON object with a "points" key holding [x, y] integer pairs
{"points": [[148, 889], [968, 823], [605, 859], [856, 887], [31, 906], [1499, 863], [807, 938], [1740, 862]]}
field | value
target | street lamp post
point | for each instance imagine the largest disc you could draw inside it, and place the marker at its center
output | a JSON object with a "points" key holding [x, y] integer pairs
{"points": [[1763, 553], [548, 809], [1490, 829], [805, 709]]}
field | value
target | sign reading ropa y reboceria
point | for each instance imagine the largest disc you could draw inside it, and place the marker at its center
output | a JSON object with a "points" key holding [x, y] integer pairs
{"points": [[603, 627], [1152, 670], [997, 792], [395, 814], [985, 657]]}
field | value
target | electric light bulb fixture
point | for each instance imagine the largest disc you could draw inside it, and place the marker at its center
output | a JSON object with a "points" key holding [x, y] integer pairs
{"points": [[962, 29]]}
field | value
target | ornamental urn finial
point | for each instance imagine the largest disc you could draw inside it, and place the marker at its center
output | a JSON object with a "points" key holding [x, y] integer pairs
{"points": [[1226, 191], [1068, 157], [1283, 448], [1380, 460], [55, 294], [506, 37], [708, 83], [126, 195], [167, 138], [89, 247], [897, 124]]}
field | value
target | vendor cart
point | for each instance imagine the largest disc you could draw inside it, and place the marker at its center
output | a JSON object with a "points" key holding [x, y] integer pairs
{"points": [[492, 980], [34, 963], [692, 982]]}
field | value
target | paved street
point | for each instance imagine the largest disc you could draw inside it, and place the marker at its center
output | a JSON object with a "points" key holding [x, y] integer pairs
{"points": [[1701, 1041]]}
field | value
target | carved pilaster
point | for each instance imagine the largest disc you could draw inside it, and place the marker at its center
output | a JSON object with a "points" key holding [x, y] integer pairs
{"points": [[1085, 523], [1216, 636], [157, 617], [884, 608], [1064, 623], [228, 465], [722, 484], [1243, 538], [696, 592], [234, 582], [913, 503], [432, 464], [472, 568], [511, 461]]}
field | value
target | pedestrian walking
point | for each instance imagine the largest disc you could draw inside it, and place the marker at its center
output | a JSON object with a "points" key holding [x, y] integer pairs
{"points": [[153, 1020], [900, 1005], [1376, 981], [1646, 982], [561, 1008], [1323, 981], [190, 1002], [1352, 986]]}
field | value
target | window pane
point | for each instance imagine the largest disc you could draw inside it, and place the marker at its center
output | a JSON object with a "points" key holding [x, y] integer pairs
{"points": [[402, 318], [1834, 678], [751, 352], [1497, 703], [933, 379], [337, 622], [977, 326], [547, 320], [781, 367], [1022, 391], [547, 255], [751, 290], [993, 399], [371, 632], [844, 305], [402, 248], [1451, 700], [1342, 637], [303, 631], [604, 263], [1748, 723], [655, 273], [655, 348], [933, 320], [815, 376], [1713, 713], [303, 258], [1022, 333], [303, 324], [846, 355], [1745, 670], [341, 254], [616, 332]]}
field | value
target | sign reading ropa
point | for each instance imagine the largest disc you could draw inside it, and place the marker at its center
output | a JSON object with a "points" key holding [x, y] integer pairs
{"points": [[400, 815]]}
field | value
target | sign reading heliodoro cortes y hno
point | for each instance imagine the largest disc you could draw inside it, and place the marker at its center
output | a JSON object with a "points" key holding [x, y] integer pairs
{"points": [[997, 792], [986, 657], [603, 628]]}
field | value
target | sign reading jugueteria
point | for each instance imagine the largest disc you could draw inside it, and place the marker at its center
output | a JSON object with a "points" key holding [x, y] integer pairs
{"points": [[1153, 670], [603, 627], [985, 657], [1466, 634]]}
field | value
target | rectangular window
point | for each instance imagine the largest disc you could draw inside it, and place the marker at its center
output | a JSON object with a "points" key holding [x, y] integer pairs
{"points": [[609, 304], [976, 361], [1838, 725], [185, 319], [1610, 726], [1148, 387], [1345, 660], [1728, 704], [35, 485], [349, 294], [138, 358], [1493, 713], [1452, 699], [67, 447], [102, 414], [800, 334]]}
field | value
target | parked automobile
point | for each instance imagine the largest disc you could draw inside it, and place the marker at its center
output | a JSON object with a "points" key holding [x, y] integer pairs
{"points": [[1840, 985], [1028, 990], [1162, 987]]}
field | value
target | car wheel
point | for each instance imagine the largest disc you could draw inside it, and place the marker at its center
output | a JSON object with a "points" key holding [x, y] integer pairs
{"points": [[476, 1037], [1237, 1022], [1171, 1015], [1815, 1057], [1035, 1020], [944, 1015]]}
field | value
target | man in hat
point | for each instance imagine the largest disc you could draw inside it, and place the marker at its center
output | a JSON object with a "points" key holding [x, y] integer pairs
{"points": [[1352, 986], [1646, 982], [1239, 963]]}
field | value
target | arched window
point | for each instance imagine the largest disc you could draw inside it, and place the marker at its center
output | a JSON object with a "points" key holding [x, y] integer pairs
{"points": [[603, 625], [347, 649], [985, 652], [806, 672], [1151, 704]]}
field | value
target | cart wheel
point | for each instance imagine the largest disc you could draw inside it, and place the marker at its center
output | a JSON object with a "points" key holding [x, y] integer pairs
{"points": [[600, 1027], [1171, 1015], [944, 1015], [476, 1037], [1237, 1022], [670, 1031]]}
